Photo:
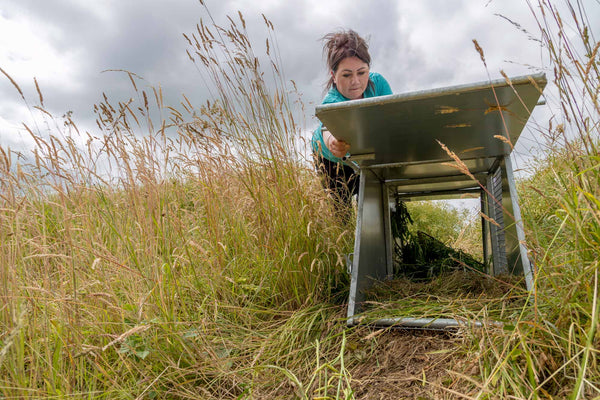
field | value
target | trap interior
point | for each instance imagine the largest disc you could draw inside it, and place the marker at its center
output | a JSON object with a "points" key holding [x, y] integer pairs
{"points": [[397, 143]]}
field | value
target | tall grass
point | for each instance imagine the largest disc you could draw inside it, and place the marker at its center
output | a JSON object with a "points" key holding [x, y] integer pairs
{"points": [[553, 350], [187, 251], [180, 251]]}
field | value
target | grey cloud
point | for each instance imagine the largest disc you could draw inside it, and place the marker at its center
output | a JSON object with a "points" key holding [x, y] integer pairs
{"points": [[145, 37], [146, 40]]}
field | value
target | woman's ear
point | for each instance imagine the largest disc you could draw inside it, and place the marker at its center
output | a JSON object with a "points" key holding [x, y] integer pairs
{"points": [[333, 77]]}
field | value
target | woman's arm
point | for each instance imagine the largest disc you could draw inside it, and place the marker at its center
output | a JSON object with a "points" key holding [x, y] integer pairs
{"points": [[338, 148]]}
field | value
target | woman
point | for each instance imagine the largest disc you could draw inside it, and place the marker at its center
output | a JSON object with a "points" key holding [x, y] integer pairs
{"points": [[348, 61]]}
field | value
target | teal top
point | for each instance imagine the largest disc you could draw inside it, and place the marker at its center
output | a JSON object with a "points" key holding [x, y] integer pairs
{"points": [[377, 86]]}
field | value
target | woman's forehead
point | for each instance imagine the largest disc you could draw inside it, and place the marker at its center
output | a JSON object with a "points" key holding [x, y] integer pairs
{"points": [[352, 64]]}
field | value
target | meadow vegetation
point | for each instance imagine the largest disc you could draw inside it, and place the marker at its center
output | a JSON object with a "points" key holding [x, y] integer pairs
{"points": [[461, 230], [188, 251]]}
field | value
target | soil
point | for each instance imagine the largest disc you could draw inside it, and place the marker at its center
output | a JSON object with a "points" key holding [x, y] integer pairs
{"points": [[424, 364], [407, 364]]}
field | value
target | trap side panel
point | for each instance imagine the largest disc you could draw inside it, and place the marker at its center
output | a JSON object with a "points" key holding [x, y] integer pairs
{"points": [[505, 234], [369, 264], [497, 232]]}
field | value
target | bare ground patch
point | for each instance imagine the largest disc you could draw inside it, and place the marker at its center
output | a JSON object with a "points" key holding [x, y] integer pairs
{"points": [[406, 364]]}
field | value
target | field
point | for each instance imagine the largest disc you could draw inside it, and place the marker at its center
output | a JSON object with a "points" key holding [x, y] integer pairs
{"points": [[189, 252]]}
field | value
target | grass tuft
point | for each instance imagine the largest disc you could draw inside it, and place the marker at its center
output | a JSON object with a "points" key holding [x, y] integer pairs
{"points": [[187, 251]]}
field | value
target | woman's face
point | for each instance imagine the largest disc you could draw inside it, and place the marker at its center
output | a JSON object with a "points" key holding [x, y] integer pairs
{"points": [[351, 77]]}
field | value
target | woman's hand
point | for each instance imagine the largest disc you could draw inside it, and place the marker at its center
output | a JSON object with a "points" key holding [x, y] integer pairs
{"points": [[338, 148]]}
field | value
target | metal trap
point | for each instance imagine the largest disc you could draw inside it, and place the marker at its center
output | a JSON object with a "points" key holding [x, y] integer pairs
{"points": [[396, 145]]}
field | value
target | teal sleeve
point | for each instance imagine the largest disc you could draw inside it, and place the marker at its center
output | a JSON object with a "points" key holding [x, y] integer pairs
{"points": [[382, 87], [318, 145]]}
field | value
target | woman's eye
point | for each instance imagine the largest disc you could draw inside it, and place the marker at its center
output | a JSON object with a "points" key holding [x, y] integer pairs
{"points": [[346, 76], [361, 73]]}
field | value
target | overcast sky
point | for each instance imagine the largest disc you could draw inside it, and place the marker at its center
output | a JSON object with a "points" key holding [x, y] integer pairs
{"points": [[66, 44]]}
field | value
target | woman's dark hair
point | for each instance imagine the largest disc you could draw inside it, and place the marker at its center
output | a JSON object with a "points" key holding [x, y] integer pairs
{"points": [[343, 44]]}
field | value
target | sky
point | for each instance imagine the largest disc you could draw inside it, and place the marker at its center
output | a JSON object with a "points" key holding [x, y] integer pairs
{"points": [[67, 44]]}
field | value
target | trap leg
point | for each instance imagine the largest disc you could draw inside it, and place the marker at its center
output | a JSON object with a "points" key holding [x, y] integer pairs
{"points": [[372, 239], [516, 252], [501, 204]]}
